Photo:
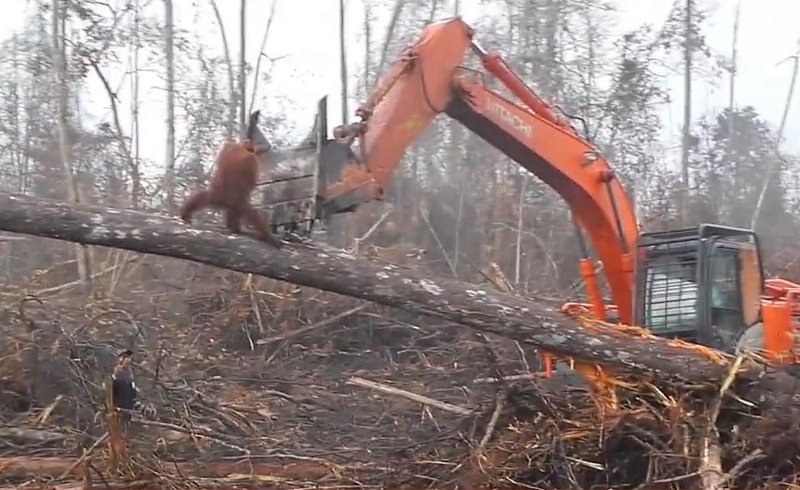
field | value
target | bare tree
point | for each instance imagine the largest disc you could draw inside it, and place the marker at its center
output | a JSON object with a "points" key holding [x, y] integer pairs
{"points": [[169, 45], [732, 68], [367, 46], [343, 62], [387, 40], [135, 80], [120, 136], [261, 56], [520, 216], [687, 112], [734, 55], [432, 14], [60, 79], [242, 61], [229, 63], [20, 160], [774, 163]]}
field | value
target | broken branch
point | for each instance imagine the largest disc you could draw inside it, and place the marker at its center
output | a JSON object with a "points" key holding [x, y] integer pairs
{"points": [[390, 390]]}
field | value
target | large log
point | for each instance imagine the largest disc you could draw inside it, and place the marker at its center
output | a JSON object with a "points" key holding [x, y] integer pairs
{"points": [[402, 287], [54, 467]]}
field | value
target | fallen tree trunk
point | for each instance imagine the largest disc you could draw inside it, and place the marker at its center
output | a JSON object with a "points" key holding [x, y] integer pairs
{"points": [[400, 287], [55, 467]]}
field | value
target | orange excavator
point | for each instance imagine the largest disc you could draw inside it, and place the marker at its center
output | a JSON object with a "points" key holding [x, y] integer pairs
{"points": [[703, 285]]}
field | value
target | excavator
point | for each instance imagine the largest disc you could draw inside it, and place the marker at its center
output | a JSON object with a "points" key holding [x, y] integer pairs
{"points": [[704, 286]]}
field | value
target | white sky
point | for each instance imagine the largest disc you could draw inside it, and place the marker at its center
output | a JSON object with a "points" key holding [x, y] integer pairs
{"points": [[305, 31]]}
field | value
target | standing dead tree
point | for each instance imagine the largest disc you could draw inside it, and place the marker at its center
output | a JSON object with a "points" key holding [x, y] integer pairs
{"points": [[687, 111], [169, 52], [771, 167], [61, 81], [231, 124], [343, 61]]}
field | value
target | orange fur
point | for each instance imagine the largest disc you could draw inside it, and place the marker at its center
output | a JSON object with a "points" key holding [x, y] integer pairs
{"points": [[235, 176]]}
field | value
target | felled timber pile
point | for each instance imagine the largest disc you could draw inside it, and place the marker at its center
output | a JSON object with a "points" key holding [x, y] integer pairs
{"points": [[260, 384]]}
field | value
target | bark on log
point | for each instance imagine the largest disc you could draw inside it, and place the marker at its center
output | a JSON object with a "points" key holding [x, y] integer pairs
{"points": [[55, 467], [401, 287], [30, 435]]}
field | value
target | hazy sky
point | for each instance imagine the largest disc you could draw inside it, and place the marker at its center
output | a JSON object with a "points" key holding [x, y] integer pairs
{"points": [[305, 32]]}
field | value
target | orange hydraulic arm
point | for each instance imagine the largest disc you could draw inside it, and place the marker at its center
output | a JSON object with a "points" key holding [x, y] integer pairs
{"points": [[428, 79]]}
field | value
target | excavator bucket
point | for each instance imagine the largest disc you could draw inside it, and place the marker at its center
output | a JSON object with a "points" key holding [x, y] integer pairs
{"points": [[294, 197]]}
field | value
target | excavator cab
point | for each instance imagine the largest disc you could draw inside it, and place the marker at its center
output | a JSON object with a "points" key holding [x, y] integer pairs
{"points": [[701, 285]]}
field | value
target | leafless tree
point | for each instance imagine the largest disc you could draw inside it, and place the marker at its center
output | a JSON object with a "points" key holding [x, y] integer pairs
{"points": [[65, 152], [687, 112], [343, 61], [242, 66], [261, 56], [229, 129], [169, 47], [770, 171]]}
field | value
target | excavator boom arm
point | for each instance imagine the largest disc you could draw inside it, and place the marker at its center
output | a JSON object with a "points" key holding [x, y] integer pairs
{"points": [[567, 164], [428, 79]]}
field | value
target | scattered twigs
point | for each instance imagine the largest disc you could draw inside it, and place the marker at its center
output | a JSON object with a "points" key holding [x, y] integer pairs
{"points": [[48, 411], [359, 240], [137, 333], [711, 453], [711, 461], [739, 467], [194, 432], [324, 323], [498, 409], [512, 377], [86, 454], [62, 287], [424, 214], [389, 390]]}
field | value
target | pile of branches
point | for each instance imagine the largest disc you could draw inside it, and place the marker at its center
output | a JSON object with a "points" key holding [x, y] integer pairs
{"points": [[262, 384]]}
